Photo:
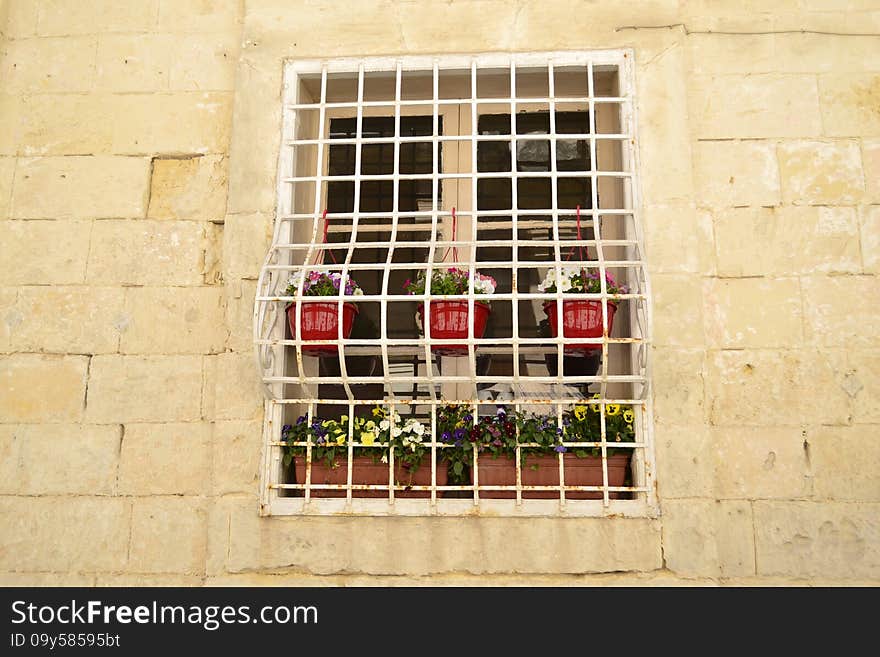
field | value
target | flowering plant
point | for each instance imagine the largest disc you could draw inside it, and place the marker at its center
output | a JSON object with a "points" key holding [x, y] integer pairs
{"points": [[372, 437], [322, 284], [451, 281], [580, 280]]}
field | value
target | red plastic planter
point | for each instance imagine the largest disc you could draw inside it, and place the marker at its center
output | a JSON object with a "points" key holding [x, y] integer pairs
{"points": [[450, 319], [365, 472], [319, 320], [581, 318], [585, 471]]}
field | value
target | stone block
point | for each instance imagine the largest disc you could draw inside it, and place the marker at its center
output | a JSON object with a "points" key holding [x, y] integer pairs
{"points": [[678, 239], [736, 173], [825, 53], [246, 240], [786, 241], [239, 296], [49, 65], [7, 173], [678, 386], [43, 252], [871, 166], [10, 110], [189, 188], [680, 324], [82, 187], [753, 313], [199, 15], [168, 535], [205, 62], [74, 459], [839, 540], [134, 62], [138, 580], [165, 459], [776, 388], [761, 462], [72, 534], [65, 124], [42, 389], [61, 319], [169, 320], [709, 538], [144, 389], [821, 172], [232, 388], [191, 122], [842, 310], [849, 104], [63, 17], [845, 462], [685, 461], [21, 19], [862, 384], [146, 253], [869, 229], [235, 450], [718, 54], [747, 107]]}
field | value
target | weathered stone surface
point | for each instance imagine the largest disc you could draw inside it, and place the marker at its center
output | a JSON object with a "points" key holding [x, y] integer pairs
{"points": [[239, 295], [232, 388], [71, 459], [191, 123], [736, 173], [165, 459], [871, 165], [862, 384], [678, 386], [199, 16], [770, 387], [246, 241], [680, 324], [80, 187], [204, 62], [21, 20], [65, 124], [869, 223], [751, 312], [129, 580], [235, 450], [706, 537], [786, 241], [742, 106], [759, 463], [678, 239], [824, 53], [189, 188], [62, 17], [7, 171], [842, 310], [144, 389], [63, 533], [134, 62], [712, 54], [43, 252], [146, 253], [46, 579], [845, 462], [817, 539], [75, 319], [821, 172], [49, 65], [849, 104], [42, 389], [169, 320], [168, 536], [685, 461]]}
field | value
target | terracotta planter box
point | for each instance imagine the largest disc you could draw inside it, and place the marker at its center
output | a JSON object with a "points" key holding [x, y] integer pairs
{"points": [[365, 472], [451, 319], [581, 318], [319, 320], [578, 472]]}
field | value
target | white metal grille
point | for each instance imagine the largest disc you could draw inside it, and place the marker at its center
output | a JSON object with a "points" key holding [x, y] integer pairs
{"points": [[508, 165]]}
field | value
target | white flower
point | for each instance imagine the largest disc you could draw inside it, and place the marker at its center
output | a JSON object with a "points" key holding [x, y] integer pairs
{"points": [[384, 424], [384, 458], [358, 292], [419, 428], [396, 431], [564, 283]]}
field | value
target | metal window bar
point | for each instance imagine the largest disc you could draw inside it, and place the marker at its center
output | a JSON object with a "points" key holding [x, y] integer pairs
{"points": [[412, 371]]}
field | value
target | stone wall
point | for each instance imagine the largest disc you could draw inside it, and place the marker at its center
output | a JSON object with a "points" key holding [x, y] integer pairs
{"points": [[138, 146]]}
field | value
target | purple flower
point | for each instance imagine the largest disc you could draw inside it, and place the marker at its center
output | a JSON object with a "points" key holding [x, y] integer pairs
{"points": [[459, 434], [286, 428], [500, 411], [301, 419], [560, 448], [468, 418], [497, 442], [446, 437], [458, 443]]}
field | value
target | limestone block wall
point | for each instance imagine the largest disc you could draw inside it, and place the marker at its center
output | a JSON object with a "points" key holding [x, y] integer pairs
{"points": [[138, 147]]}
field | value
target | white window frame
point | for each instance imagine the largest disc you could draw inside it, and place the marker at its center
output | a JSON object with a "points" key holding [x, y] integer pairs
{"points": [[273, 350]]}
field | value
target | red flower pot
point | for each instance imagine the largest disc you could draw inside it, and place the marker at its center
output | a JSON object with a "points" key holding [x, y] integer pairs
{"points": [[365, 472], [450, 319], [585, 471], [581, 318], [319, 320]]}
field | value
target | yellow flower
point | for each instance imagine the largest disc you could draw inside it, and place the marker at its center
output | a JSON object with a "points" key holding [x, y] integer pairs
{"points": [[370, 426], [377, 412], [344, 419], [326, 423], [628, 415], [459, 425], [340, 439], [368, 438], [612, 409], [580, 412]]}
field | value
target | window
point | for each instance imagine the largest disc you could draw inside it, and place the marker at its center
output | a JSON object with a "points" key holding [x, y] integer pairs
{"points": [[519, 168]]}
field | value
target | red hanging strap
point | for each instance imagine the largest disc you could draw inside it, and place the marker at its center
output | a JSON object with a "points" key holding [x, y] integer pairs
{"points": [[454, 247], [319, 256], [583, 252]]}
